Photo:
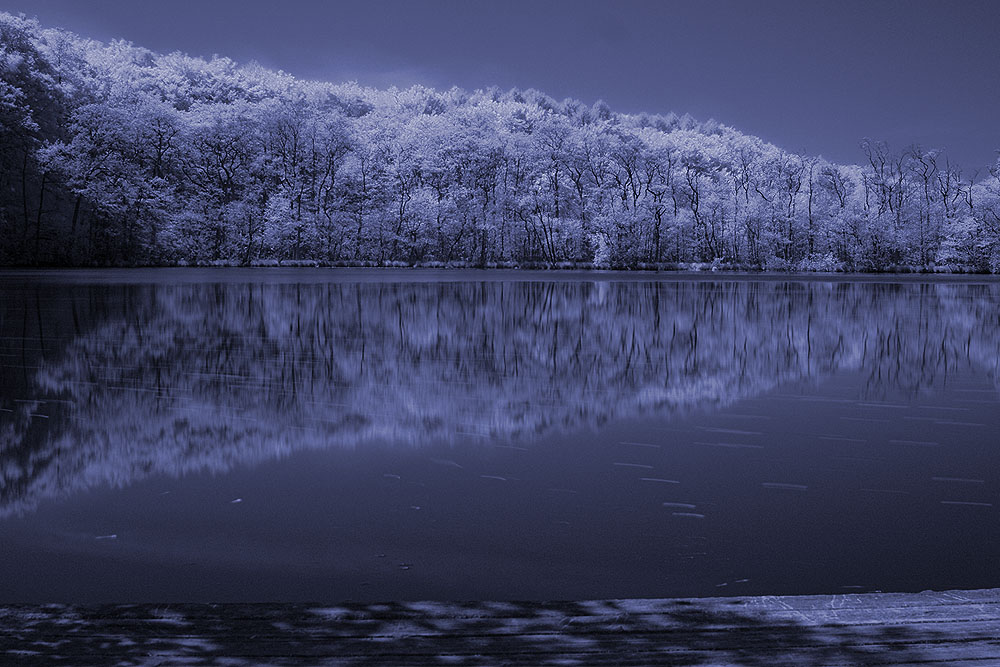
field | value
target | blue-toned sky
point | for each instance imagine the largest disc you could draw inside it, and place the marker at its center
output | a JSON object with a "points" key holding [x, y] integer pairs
{"points": [[808, 75]]}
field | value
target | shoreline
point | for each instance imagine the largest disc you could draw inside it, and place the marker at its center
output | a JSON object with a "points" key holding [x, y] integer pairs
{"points": [[869, 628], [311, 274]]}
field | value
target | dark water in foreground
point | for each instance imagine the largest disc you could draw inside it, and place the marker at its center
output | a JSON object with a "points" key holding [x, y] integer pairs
{"points": [[325, 435]]}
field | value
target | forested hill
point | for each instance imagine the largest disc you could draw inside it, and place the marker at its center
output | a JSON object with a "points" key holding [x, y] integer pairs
{"points": [[111, 154]]}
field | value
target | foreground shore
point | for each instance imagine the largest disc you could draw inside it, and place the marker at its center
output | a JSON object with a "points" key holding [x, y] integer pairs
{"points": [[952, 627]]}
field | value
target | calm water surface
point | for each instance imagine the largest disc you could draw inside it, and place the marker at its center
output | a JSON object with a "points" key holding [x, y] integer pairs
{"points": [[332, 435]]}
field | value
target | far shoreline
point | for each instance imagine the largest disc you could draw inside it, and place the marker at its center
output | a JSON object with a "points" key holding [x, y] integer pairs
{"points": [[452, 274]]}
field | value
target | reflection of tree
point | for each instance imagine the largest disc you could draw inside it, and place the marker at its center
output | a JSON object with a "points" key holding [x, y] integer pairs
{"points": [[171, 379]]}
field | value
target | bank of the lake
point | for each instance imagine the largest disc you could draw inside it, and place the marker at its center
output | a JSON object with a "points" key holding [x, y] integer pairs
{"points": [[282, 274], [953, 627]]}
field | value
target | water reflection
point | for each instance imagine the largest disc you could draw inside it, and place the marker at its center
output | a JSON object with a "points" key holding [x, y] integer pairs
{"points": [[114, 383]]}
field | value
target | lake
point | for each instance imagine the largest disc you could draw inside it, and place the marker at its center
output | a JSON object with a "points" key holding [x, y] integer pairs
{"points": [[323, 435]]}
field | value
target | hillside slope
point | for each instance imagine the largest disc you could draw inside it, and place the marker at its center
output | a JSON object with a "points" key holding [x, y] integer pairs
{"points": [[111, 154]]}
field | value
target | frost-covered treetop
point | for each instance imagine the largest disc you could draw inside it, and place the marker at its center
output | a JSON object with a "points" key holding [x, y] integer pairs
{"points": [[114, 154]]}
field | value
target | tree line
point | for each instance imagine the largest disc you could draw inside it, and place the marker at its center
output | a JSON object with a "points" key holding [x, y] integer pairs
{"points": [[111, 154]]}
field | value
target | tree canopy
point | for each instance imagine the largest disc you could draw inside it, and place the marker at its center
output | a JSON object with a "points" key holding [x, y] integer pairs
{"points": [[111, 154]]}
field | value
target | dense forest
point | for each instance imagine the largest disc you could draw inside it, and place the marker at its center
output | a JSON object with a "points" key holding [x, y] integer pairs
{"points": [[111, 154]]}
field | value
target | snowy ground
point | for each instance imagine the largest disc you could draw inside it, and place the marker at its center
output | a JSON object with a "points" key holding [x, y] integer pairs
{"points": [[927, 628]]}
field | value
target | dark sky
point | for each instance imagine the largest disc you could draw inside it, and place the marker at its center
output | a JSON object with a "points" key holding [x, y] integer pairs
{"points": [[811, 75]]}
